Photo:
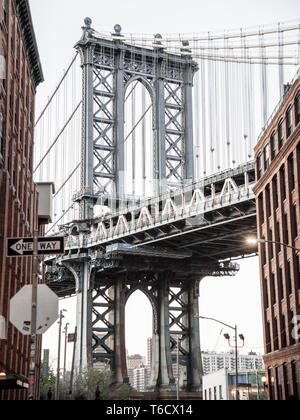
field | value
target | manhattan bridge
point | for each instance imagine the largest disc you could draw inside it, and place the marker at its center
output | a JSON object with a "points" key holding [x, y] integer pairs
{"points": [[149, 140]]}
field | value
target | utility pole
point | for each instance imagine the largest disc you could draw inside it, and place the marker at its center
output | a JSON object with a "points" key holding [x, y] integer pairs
{"points": [[73, 362], [61, 316], [32, 384], [65, 355]]}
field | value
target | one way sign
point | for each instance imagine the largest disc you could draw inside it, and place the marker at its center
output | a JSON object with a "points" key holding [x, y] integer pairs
{"points": [[23, 247]]}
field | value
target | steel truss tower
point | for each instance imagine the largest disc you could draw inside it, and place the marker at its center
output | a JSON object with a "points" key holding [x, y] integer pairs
{"points": [[109, 69]]}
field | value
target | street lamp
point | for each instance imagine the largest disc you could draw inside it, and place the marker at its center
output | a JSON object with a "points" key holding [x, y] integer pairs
{"points": [[227, 336], [235, 346], [254, 241]]}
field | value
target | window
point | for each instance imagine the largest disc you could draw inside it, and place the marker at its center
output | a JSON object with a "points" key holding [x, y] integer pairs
{"points": [[286, 378], [278, 238], [258, 167], [275, 335], [285, 229], [273, 146], [280, 135], [4, 12], [291, 329], [294, 222], [278, 383], [266, 157], [271, 383], [288, 120], [282, 183], [271, 253], [289, 278], [2, 134], [295, 376], [291, 171], [261, 209], [297, 108], [283, 332], [275, 191], [280, 284], [268, 203], [272, 287], [266, 294], [297, 273]]}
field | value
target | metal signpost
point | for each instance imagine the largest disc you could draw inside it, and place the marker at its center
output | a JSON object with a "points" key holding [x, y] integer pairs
{"points": [[25, 247]]}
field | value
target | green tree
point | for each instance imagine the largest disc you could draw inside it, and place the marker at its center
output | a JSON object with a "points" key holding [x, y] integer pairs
{"points": [[47, 386]]}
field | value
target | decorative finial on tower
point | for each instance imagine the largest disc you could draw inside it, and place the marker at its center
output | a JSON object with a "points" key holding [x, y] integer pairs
{"points": [[87, 29], [117, 29], [88, 22], [157, 43], [185, 50]]}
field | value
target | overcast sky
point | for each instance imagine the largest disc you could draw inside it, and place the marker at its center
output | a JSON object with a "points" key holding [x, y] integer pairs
{"points": [[58, 27]]}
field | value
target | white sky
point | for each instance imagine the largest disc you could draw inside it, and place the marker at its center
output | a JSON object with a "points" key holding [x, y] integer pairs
{"points": [[58, 27]]}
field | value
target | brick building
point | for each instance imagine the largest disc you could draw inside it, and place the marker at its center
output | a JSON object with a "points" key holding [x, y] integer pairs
{"points": [[21, 73], [277, 157]]}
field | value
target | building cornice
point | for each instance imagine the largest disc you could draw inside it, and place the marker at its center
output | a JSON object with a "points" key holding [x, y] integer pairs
{"points": [[27, 31]]}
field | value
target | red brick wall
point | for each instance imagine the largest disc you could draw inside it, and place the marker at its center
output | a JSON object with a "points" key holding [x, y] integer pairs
{"points": [[278, 219], [18, 197]]}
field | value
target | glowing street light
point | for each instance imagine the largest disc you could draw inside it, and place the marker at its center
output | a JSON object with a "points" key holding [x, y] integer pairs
{"points": [[254, 241]]}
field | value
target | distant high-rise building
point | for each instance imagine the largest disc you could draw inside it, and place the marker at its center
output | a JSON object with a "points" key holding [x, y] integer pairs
{"points": [[212, 362]]}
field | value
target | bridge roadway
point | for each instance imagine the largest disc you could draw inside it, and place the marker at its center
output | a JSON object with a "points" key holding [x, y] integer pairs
{"points": [[163, 247], [208, 219]]}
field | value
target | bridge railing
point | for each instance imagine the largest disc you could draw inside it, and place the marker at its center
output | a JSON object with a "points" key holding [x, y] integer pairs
{"points": [[115, 227]]}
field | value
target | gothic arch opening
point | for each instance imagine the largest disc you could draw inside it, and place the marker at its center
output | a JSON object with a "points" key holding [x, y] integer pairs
{"points": [[139, 139], [139, 315]]}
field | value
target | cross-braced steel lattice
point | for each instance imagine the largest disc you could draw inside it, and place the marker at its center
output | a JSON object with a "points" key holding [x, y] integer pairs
{"points": [[109, 68]]}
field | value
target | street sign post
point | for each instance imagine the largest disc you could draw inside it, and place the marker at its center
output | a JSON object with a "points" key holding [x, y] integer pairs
{"points": [[23, 247], [34, 308]]}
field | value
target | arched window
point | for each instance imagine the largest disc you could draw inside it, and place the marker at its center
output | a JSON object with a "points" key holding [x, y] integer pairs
{"points": [[288, 121], [297, 108], [273, 146], [258, 167], [280, 135]]}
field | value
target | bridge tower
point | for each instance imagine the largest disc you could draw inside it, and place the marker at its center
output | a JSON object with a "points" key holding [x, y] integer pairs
{"points": [[109, 69], [105, 282]]}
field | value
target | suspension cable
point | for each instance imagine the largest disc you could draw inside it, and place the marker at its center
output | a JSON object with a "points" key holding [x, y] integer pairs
{"points": [[56, 89], [58, 136]]}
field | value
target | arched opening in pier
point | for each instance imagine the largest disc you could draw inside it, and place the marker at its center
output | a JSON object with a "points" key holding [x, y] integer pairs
{"points": [[138, 137], [138, 336]]}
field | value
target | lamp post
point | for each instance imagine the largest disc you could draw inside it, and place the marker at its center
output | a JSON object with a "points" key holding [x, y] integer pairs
{"points": [[235, 347], [254, 241]]}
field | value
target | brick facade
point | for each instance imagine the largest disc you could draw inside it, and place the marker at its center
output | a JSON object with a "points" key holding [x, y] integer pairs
{"points": [[18, 196], [277, 193]]}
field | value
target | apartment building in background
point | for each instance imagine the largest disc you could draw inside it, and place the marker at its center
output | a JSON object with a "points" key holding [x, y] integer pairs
{"points": [[277, 157], [213, 362], [20, 73]]}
